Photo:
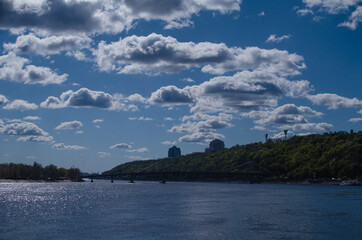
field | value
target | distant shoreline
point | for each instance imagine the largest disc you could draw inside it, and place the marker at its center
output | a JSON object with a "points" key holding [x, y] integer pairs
{"points": [[30, 181], [349, 182]]}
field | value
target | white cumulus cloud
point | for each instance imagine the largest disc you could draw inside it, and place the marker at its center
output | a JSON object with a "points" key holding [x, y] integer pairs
{"points": [[104, 154], [275, 39], [309, 127], [334, 101], [155, 53], [350, 7], [62, 146], [355, 120], [141, 118], [332, 6], [97, 16], [138, 150], [354, 19], [169, 142], [18, 69], [242, 91], [31, 44], [28, 132], [32, 118], [20, 105], [121, 146], [3, 99], [286, 114], [97, 121], [87, 98], [35, 139], [201, 137], [69, 125]]}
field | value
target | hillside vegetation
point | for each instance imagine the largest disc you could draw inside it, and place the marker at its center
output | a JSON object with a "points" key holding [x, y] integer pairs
{"points": [[331, 155]]}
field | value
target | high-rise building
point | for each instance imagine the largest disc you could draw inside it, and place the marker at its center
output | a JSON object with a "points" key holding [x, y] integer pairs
{"points": [[215, 145], [174, 152]]}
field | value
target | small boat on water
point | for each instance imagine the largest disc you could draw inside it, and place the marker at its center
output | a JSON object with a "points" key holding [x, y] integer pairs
{"points": [[131, 181], [163, 181]]}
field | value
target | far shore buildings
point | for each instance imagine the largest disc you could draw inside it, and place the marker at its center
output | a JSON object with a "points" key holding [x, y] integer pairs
{"points": [[215, 145], [174, 152]]}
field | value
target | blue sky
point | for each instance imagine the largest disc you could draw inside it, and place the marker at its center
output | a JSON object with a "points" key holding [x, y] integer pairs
{"points": [[93, 84]]}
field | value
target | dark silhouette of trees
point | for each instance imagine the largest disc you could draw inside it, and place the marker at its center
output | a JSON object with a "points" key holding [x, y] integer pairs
{"points": [[51, 171], [74, 174], [38, 172]]}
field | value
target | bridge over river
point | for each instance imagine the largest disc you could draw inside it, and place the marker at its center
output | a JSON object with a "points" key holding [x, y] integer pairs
{"points": [[253, 172]]}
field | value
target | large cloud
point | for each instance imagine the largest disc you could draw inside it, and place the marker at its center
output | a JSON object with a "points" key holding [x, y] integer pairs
{"points": [[171, 95], [227, 95], [242, 91], [22, 128], [88, 98], [247, 90], [286, 114], [17, 69], [31, 44], [62, 16], [155, 54], [202, 127], [333, 101], [27, 130], [96, 16]]}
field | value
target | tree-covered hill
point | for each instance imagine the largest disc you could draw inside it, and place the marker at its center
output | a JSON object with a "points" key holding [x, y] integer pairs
{"points": [[337, 154]]}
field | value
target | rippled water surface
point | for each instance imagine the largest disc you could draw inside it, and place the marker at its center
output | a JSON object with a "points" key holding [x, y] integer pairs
{"points": [[149, 210]]}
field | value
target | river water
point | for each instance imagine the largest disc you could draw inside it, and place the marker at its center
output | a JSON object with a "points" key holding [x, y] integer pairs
{"points": [[150, 210]]}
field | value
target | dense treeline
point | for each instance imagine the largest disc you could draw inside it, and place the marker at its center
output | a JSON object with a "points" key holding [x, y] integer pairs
{"points": [[331, 155], [38, 172]]}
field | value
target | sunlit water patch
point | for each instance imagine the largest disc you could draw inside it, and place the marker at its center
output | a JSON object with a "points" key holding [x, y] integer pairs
{"points": [[149, 210]]}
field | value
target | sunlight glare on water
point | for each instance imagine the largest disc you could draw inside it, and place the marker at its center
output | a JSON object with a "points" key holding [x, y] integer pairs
{"points": [[149, 210]]}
